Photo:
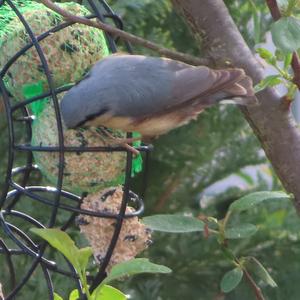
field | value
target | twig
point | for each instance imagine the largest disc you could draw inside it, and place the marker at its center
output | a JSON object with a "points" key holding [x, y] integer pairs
{"points": [[1, 293], [256, 289], [127, 36], [274, 9], [169, 190], [276, 15], [296, 69], [1, 104]]}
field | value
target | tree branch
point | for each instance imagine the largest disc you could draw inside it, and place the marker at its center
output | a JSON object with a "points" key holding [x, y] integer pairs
{"points": [[1, 293], [296, 69], [274, 9], [276, 15], [1, 104], [258, 293], [271, 120], [126, 36]]}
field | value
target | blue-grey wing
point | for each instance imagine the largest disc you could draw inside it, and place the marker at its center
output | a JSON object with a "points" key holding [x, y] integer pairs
{"points": [[119, 85], [138, 86]]}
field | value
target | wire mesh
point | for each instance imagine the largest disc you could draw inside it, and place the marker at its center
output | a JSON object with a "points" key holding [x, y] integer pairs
{"points": [[19, 184]]}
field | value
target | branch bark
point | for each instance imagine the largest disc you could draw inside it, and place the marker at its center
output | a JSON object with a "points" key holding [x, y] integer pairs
{"points": [[258, 293], [189, 59], [271, 120], [274, 9]]}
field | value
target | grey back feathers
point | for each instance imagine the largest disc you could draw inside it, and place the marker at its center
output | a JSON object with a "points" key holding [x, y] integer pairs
{"points": [[136, 86]]}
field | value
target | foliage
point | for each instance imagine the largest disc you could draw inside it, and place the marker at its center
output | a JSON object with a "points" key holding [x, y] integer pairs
{"points": [[203, 262], [252, 19], [79, 258], [173, 223], [286, 37], [231, 280], [262, 238], [156, 21], [223, 234], [286, 34]]}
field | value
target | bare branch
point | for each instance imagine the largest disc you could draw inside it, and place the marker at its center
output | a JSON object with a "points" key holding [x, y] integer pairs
{"points": [[127, 36], [1, 104], [258, 293], [274, 9], [271, 120], [296, 68], [1, 293]]}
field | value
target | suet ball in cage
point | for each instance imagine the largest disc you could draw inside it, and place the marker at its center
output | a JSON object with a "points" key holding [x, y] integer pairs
{"points": [[134, 237], [83, 171]]}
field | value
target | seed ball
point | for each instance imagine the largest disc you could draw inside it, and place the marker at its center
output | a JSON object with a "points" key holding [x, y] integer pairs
{"points": [[70, 52], [83, 171], [134, 236]]}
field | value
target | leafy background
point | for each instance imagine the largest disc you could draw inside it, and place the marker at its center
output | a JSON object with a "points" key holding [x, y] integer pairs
{"points": [[183, 165]]}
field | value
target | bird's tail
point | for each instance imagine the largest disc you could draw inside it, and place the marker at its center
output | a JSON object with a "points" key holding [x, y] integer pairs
{"points": [[235, 87]]}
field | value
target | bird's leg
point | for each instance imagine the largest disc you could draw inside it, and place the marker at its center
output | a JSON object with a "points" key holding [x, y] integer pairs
{"points": [[130, 148], [121, 141]]}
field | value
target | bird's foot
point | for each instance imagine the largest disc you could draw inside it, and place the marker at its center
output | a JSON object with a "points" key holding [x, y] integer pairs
{"points": [[125, 142], [130, 148], [122, 141]]}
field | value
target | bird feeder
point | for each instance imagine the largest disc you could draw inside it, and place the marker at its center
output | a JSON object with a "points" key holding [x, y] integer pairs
{"points": [[56, 177]]}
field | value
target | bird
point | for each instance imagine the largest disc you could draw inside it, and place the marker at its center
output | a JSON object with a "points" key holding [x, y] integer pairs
{"points": [[150, 95]]}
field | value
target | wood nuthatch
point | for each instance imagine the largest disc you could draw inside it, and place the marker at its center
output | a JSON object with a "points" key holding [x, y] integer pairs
{"points": [[150, 95]]}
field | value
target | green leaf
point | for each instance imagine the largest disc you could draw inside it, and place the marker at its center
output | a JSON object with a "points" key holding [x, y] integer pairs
{"points": [[241, 231], [266, 55], [255, 267], [257, 22], [133, 267], [57, 297], [62, 242], [287, 7], [173, 223], [283, 3], [246, 177], [256, 198], [279, 55], [74, 295], [287, 60], [269, 81], [286, 34], [231, 280], [107, 292], [83, 257]]}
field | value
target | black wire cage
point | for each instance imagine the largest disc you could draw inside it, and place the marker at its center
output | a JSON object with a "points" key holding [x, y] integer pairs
{"points": [[19, 183]]}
